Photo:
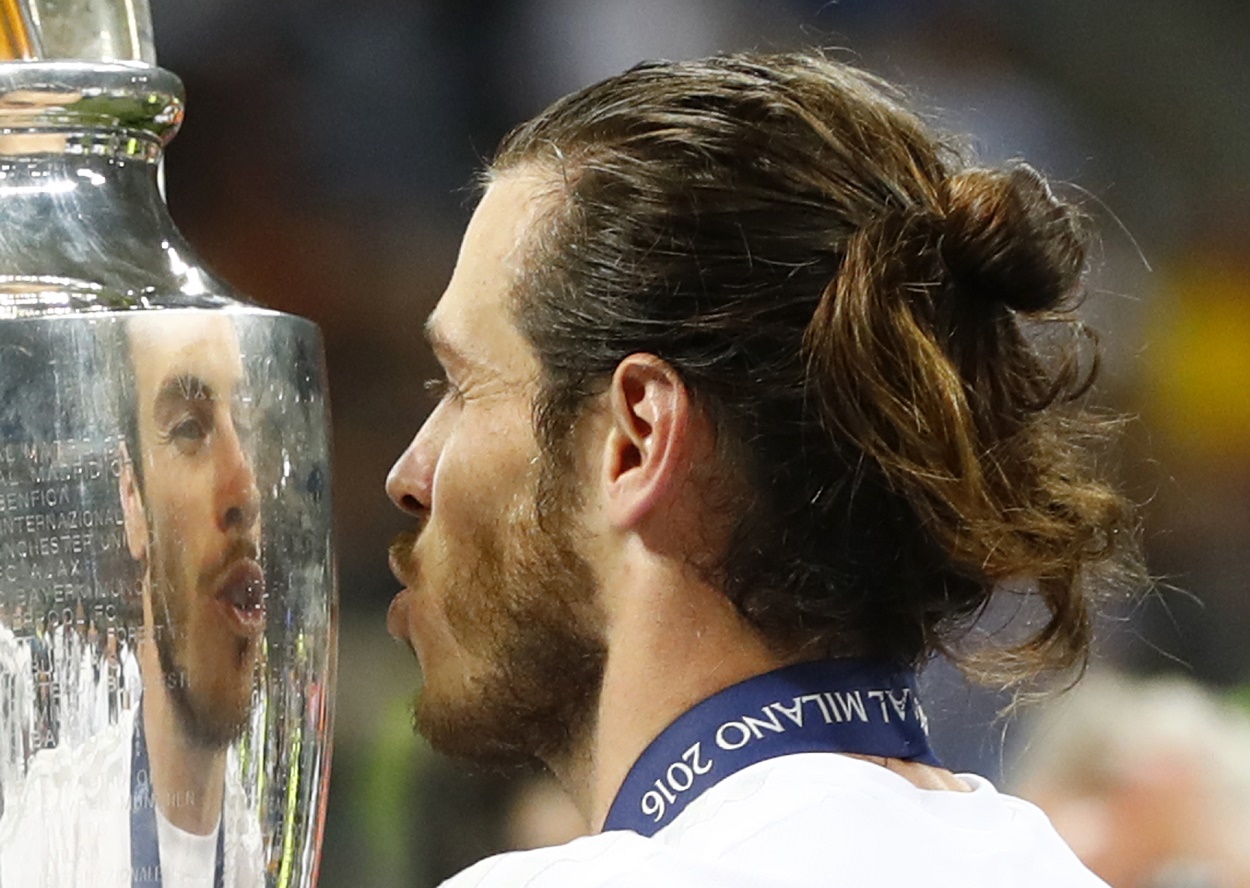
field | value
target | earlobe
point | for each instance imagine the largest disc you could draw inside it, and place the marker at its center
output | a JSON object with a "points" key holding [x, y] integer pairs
{"points": [[134, 517], [649, 408]]}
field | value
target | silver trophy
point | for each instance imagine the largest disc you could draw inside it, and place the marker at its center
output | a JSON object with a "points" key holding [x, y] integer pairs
{"points": [[167, 593]]}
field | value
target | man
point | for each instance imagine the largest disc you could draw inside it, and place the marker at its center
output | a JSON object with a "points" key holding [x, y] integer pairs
{"points": [[740, 425], [150, 801]]}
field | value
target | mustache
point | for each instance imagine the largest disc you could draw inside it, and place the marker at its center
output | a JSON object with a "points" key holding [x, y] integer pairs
{"points": [[401, 552], [239, 549]]}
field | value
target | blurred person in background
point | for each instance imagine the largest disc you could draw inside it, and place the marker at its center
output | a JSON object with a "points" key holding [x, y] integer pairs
{"points": [[1147, 779], [743, 420]]}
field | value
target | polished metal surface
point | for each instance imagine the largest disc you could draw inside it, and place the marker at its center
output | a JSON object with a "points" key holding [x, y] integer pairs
{"points": [[88, 30], [166, 568], [83, 226]]}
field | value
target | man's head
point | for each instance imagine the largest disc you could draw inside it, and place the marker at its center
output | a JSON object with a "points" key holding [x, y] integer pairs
{"points": [[191, 509], [822, 284]]}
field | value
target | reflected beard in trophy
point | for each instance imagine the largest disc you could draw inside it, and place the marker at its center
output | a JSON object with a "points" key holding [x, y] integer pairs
{"points": [[209, 679], [520, 599]]}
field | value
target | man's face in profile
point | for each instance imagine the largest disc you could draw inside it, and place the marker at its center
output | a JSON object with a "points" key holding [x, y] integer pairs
{"points": [[197, 526], [500, 607]]}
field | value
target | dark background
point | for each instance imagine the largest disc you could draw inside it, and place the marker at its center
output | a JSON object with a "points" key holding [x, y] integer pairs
{"points": [[323, 170]]}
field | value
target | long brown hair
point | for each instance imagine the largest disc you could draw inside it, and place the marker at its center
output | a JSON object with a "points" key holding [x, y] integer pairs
{"points": [[851, 302]]}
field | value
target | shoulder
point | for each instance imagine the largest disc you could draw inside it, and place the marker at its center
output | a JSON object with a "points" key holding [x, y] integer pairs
{"points": [[96, 768], [70, 789], [811, 819], [68, 824], [609, 860], [880, 828], [584, 863]]}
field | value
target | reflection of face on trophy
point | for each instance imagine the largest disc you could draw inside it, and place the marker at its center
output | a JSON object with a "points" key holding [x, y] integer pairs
{"points": [[165, 731], [191, 509]]}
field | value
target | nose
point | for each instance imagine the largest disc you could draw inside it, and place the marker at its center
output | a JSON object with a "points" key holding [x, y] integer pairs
{"points": [[238, 504], [410, 482]]}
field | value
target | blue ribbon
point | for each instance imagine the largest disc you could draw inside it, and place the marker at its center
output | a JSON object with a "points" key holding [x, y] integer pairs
{"points": [[145, 855], [859, 706]]}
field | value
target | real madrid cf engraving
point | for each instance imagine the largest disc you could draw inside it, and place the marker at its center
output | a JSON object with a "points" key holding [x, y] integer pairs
{"points": [[167, 594]]}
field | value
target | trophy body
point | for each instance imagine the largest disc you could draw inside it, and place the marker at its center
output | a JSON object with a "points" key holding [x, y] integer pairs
{"points": [[167, 593]]}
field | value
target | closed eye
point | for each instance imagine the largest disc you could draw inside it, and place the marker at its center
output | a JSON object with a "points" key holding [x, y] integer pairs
{"points": [[439, 389]]}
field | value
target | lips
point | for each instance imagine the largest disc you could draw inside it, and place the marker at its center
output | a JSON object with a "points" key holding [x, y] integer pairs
{"points": [[397, 617], [242, 593], [397, 613], [402, 563]]}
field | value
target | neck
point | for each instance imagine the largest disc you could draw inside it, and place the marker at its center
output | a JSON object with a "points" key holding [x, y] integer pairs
{"points": [[188, 780], [676, 643]]}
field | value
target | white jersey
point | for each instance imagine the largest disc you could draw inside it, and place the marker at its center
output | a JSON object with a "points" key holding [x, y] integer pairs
{"points": [[68, 826], [812, 819], [17, 707]]}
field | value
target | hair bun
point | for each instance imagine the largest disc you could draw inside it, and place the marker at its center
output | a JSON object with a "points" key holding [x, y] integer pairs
{"points": [[1007, 239]]}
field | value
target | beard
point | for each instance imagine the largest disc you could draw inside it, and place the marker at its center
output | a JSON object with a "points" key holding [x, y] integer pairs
{"points": [[205, 721], [524, 602]]}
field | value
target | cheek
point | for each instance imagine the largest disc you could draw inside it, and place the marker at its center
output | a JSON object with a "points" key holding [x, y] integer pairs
{"points": [[189, 518], [481, 475], [171, 511]]}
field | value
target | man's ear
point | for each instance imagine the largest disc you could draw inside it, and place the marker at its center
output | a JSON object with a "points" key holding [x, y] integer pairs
{"points": [[647, 446], [134, 516]]}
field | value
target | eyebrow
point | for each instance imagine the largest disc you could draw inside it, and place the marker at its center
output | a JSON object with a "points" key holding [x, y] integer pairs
{"points": [[442, 347], [183, 387]]}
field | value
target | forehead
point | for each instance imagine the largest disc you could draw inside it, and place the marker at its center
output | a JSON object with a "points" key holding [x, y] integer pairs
{"points": [[473, 319], [198, 344]]}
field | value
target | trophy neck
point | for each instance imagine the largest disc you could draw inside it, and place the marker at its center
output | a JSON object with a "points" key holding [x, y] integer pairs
{"points": [[85, 225], [119, 109]]}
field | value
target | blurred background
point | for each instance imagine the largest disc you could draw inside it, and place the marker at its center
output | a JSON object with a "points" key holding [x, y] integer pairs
{"points": [[324, 166]]}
